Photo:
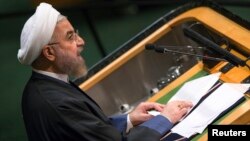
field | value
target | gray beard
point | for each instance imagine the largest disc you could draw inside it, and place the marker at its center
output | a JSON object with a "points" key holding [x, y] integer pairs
{"points": [[74, 67]]}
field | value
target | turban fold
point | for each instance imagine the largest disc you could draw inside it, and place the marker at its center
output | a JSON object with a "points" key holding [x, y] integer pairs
{"points": [[37, 32]]}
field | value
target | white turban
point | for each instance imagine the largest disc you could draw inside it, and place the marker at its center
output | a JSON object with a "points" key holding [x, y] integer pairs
{"points": [[37, 32]]}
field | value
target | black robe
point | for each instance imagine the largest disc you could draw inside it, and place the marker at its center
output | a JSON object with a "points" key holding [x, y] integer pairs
{"points": [[57, 111]]}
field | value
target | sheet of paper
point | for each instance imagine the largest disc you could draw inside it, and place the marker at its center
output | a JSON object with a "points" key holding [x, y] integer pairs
{"points": [[195, 89], [154, 112], [221, 99]]}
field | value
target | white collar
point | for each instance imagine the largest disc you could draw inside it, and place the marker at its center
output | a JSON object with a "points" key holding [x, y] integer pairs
{"points": [[62, 77]]}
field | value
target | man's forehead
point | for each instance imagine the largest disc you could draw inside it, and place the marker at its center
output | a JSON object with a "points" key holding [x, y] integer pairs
{"points": [[64, 26]]}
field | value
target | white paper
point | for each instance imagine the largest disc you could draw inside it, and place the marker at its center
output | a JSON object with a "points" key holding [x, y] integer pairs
{"points": [[221, 99], [154, 112], [195, 89]]}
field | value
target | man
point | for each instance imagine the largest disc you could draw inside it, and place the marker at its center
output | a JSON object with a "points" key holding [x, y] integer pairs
{"points": [[54, 109]]}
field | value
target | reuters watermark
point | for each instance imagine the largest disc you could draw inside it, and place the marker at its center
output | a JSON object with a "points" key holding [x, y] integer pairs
{"points": [[240, 132]]}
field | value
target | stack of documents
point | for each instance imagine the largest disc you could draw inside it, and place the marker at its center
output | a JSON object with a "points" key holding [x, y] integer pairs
{"points": [[220, 99]]}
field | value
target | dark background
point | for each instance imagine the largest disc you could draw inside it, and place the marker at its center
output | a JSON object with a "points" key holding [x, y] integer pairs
{"points": [[104, 24]]}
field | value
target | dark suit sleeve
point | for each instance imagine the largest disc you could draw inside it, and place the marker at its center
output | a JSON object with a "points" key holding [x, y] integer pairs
{"points": [[81, 120], [159, 123], [119, 122], [156, 123]]}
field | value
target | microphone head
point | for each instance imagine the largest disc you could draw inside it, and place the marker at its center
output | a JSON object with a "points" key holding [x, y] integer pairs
{"points": [[149, 46]]}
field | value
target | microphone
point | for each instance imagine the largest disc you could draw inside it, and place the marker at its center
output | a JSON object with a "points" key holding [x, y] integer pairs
{"points": [[165, 49], [212, 45]]}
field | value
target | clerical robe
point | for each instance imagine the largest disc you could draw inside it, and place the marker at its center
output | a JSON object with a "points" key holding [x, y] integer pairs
{"points": [[54, 110]]}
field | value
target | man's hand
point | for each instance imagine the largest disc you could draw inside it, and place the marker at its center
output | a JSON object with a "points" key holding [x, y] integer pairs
{"points": [[175, 110], [140, 113]]}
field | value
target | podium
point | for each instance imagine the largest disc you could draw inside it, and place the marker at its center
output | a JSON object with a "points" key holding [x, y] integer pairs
{"points": [[131, 74]]}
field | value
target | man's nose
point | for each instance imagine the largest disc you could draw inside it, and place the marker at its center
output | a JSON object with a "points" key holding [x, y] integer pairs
{"points": [[80, 40]]}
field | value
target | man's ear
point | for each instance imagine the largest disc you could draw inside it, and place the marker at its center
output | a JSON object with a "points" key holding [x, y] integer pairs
{"points": [[49, 52]]}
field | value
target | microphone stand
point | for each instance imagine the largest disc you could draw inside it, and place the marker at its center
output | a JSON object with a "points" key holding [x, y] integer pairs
{"points": [[165, 50]]}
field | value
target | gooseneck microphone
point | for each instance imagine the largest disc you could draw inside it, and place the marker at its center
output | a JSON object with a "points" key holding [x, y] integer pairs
{"points": [[166, 49], [199, 38]]}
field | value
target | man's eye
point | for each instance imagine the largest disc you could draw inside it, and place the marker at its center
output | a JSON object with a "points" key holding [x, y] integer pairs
{"points": [[71, 37]]}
